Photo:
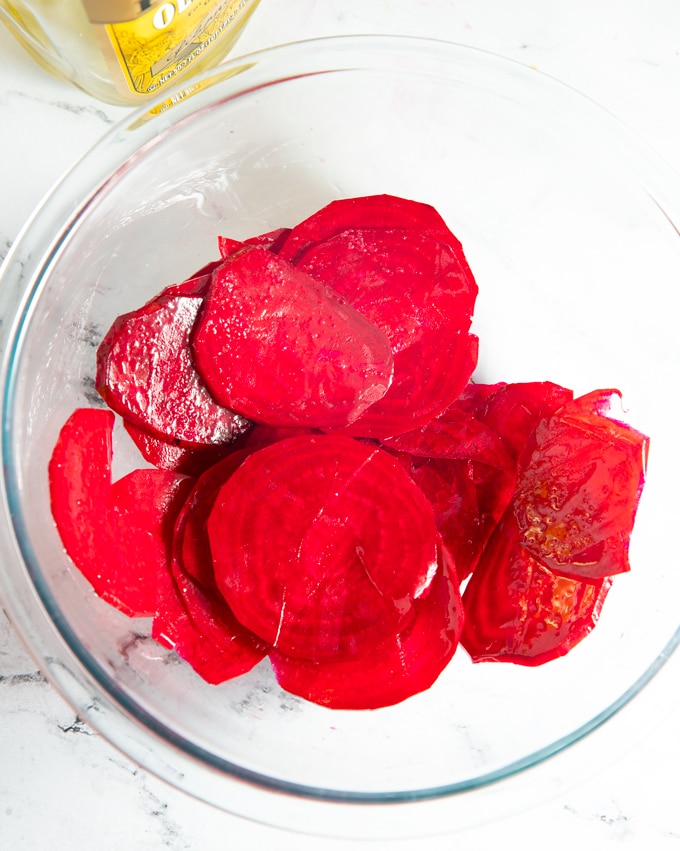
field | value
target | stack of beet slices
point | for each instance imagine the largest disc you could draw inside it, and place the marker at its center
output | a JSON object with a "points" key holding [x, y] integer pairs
{"points": [[323, 478]]}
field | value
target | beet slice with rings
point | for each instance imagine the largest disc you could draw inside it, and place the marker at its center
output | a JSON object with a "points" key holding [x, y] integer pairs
{"points": [[404, 664], [421, 293], [282, 349], [428, 376], [370, 211], [145, 373], [402, 281], [578, 488], [517, 611], [321, 544]]}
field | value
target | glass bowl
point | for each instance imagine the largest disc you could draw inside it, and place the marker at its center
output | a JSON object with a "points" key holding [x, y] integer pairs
{"points": [[571, 228]]}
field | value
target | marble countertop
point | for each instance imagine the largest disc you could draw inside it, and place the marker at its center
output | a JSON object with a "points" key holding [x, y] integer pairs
{"points": [[61, 785]]}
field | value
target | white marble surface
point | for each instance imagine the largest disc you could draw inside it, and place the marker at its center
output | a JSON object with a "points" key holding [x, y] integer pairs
{"points": [[64, 787]]}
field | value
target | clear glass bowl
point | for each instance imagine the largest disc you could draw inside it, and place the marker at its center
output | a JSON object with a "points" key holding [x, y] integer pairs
{"points": [[571, 228]]}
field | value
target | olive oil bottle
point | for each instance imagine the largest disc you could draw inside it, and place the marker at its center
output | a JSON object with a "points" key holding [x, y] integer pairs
{"points": [[123, 51]]}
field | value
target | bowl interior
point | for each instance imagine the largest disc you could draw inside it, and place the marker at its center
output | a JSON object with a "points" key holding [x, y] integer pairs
{"points": [[568, 229]]}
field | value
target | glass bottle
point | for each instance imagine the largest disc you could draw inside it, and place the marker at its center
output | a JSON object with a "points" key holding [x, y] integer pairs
{"points": [[123, 51]]}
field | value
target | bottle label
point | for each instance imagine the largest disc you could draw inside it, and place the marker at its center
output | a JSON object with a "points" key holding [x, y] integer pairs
{"points": [[148, 43]]}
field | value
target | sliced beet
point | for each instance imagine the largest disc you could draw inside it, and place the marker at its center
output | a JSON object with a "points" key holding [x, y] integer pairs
{"points": [[141, 514], [350, 474], [145, 372], [455, 435], [419, 393], [191, 546], [403, 281], [372, 211], [513, 410], [464, 470], [320, 545], [195, 286], [579, 484], [200, 628], [468, 500], [495, 490], [166, 455], [212, 616], [80, 485], [404, 664], [517, 611], [228, 246], [118, 535], [421, 293], [473, 398], [280, 348], [262, 435], [271, 240]]}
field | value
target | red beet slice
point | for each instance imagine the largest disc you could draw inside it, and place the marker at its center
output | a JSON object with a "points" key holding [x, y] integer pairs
{"points": [[80, 484], [229, 246], [262, 435], [210, 613], [454, 435], [165, 455], [194, 286], [275, 345], [371, 211], [141, 513], [464, 470], [145, 373], [495, 490], [200, 628], [403, 665], [517, 611], [271, 240], [191, 546], [419, 393], [118, 535], [321, 544], [512, 411], [579, 484], [468, 500], [403, 281], [421, 293], [474, 397]]}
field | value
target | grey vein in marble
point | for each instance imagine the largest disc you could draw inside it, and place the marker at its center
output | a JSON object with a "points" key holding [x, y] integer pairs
{"points": [[65, 106], [22, 679]]}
